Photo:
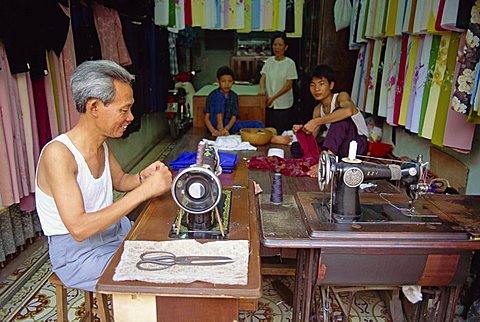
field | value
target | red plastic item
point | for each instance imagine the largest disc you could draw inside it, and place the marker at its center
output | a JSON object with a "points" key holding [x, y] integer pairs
{"points": [[378, 149]]}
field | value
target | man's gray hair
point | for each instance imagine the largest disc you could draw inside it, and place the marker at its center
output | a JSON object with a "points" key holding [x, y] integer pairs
{"points": [[94, 79]]}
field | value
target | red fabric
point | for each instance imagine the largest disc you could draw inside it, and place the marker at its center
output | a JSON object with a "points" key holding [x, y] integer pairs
{"points": [[188, 12], [309, 145], [438, 22], [41, 111], [287, 167]]}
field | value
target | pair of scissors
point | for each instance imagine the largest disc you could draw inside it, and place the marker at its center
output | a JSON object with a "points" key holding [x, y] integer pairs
{"points": [[159, 260]]}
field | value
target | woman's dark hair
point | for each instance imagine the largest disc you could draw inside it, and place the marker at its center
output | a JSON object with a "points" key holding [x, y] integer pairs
{"points": [[280, 35], [225, 70], [324, 71]]}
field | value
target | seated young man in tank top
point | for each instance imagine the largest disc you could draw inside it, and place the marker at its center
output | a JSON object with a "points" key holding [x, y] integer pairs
{"points": [[338, 113], [76, 174]]}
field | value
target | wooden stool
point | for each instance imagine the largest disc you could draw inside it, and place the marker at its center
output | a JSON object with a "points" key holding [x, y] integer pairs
{"points": [[62, 311]]}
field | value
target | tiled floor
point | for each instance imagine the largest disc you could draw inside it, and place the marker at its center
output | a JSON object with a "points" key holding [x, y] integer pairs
{"points": [[26, 295]]}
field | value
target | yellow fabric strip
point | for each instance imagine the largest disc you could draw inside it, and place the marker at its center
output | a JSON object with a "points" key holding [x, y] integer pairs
{"points": [[391, 18], [232, 7], [198, 13]]}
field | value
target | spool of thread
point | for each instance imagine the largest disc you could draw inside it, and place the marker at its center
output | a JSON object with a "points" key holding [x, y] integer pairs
{"points": [[277, 192], [352, 151], [200, 151]]}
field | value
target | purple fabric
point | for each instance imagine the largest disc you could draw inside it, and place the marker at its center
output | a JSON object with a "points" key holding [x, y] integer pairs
{"points": [[339, 136]]}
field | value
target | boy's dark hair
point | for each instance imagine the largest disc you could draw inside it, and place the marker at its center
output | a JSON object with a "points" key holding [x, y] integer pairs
{"points": [[324, 71], [280, 35], [225, 70]]}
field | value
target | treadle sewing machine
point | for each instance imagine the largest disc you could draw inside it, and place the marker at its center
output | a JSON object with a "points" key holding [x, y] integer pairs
{"points": [[204, 207], [339, 206], [351, 173]]}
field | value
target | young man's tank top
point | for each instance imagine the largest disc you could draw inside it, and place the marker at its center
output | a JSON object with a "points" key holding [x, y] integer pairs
{"points": [[358, 118]]}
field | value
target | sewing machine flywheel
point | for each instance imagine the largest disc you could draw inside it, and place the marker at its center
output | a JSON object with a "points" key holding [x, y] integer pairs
{"points": [[324, 170]]}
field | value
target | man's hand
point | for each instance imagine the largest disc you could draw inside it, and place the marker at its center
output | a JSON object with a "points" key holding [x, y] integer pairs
{"points": [[310, 127], [157, 179], [297, 127], [151, 169]]}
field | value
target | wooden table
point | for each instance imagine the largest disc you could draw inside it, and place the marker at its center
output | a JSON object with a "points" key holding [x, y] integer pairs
{"points": [[347, 255], [251, 105], [198, 301]]}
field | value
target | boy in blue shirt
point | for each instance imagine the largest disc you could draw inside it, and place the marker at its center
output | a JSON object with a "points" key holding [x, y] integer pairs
{"points": [[221, 110]]}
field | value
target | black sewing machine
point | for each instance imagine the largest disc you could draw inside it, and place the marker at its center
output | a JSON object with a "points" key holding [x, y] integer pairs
{"points": [[198, 192], [349, 175]]}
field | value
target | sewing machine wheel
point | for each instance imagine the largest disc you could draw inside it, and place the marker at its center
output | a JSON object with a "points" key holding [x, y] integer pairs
{"points": [[196, 190], [324, 170]]}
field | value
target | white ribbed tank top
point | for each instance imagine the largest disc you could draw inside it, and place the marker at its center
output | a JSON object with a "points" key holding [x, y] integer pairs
{"points": [[97, 193]]}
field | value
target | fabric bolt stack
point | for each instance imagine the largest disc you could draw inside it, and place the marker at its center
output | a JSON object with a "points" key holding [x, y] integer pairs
{"points": [[244, 16], [228, 161], [418, 66]]}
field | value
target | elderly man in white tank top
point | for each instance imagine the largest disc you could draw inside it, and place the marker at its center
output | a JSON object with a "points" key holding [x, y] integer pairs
{"points": [[76, 174]]}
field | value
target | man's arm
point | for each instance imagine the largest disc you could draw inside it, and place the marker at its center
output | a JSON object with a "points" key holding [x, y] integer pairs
{"points": [[345, 109], [315, 114], [125, 182], [56, 177]]}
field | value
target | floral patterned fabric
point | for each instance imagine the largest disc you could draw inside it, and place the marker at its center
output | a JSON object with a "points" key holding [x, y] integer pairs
{"points": [[437, 80], [468, 68], [287, 167], [421, 72]]}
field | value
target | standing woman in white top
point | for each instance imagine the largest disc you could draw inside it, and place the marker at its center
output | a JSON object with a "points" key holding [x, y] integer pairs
{"points": [[278, 75]]}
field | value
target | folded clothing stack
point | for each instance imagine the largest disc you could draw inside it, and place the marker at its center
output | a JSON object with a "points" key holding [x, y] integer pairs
{"points": [[186, 159]]}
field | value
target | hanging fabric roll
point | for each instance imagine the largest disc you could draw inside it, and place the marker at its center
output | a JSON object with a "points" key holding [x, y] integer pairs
{"points": [[412, 49], [415, 82], [421, 83], [437, 80], [445, 90], [428, 83]]}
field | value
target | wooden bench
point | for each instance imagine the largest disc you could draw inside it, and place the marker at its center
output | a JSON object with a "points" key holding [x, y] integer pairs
{"points": [[62, 310]]}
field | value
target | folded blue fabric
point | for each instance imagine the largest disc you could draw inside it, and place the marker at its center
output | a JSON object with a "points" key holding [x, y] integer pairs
{"points": [[184, 160]]}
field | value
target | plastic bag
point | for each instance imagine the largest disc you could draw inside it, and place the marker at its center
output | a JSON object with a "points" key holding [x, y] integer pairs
{"points": [[342, 13]]}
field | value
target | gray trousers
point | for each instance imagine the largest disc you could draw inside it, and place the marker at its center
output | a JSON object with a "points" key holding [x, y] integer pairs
{"points": [[80, 264]]}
